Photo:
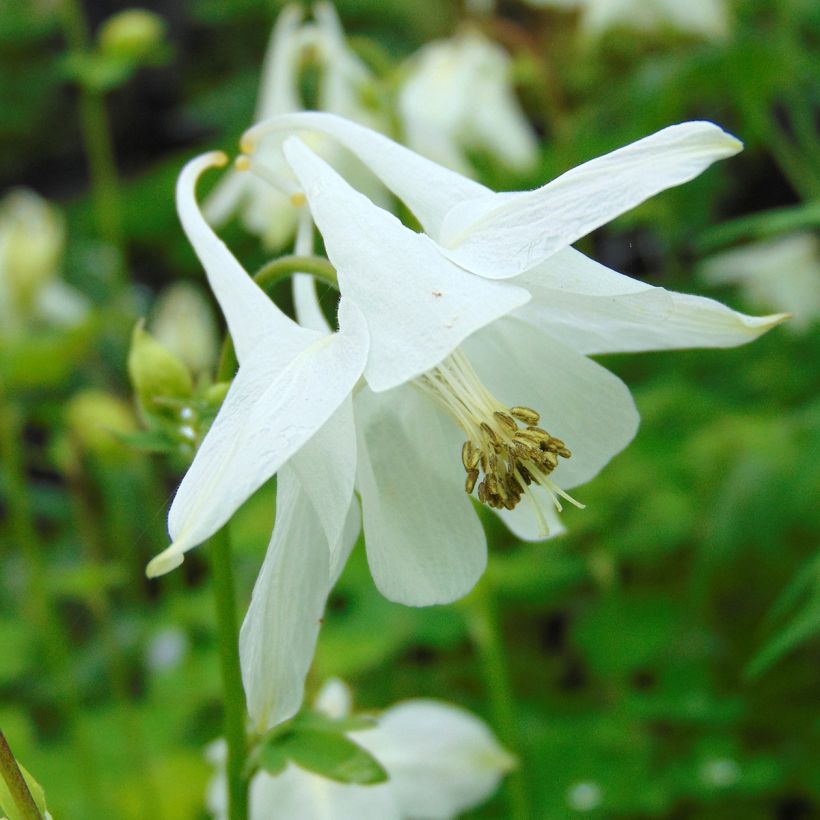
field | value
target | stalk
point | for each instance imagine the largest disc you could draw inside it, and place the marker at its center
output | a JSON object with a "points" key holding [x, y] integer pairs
{"points": [[16, 784]]}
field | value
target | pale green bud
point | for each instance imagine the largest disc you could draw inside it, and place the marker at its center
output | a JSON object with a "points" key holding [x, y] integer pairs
{"points": [[31, 244], [157, 375], [95, 419], [132, 35], [184, 323]]}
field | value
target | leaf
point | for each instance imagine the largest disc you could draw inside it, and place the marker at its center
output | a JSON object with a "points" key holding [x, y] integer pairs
{"points": [[326, 753], [7, 804]]}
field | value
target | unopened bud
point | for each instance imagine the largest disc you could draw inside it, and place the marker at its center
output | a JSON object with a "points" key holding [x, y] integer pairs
{"points": [[157, 375], [95, 419], [133, 35], [184, 323]]}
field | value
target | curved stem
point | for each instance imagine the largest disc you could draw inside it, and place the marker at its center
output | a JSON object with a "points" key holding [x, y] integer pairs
{"points": [[235, 708], [485, 630], [266, 277], [16, 784]]}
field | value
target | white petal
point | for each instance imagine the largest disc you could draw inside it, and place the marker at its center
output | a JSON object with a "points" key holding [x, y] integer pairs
{"points": [[428, 189], [296, 794], [251, 316], [226, 198], [419, 307], [510, 233], [326, 466], [596, 310], [278, 636], [425, 544], [334, 699], [523, 522], [441, 759], [272, 409], [279, 90], [580, 402]]}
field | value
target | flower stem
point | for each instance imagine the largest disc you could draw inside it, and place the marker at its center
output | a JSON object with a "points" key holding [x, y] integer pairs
{"points": [[235, 709], [16, 784], [97, 139], [485, 630]]}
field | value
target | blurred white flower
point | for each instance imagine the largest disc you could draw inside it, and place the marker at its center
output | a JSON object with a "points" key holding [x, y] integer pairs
{"points": [[720, 772], [782, 273], [441, 760], [344, 82], [705, 18], [458, 96], [166, 649], [584, 796], [32, 236], [183, 322]]}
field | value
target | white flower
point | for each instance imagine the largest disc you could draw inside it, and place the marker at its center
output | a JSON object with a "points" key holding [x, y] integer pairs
{"points": [[459, 96], [706, 18], [440, 759], [32, 236], [781, 273], [454, 359], [344, 79]]}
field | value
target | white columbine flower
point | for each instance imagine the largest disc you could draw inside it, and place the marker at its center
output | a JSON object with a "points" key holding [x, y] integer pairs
{"points": [[441, 761], [781, 273], [706, 18], [343, 79], [472, 343], [32, 236], [458, 96]]}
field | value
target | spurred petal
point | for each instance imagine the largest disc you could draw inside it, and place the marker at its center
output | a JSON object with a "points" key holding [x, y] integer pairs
{"points": [[428, 189], [279, 91], [278, 636], [441, 759], [425, 544], [272, 409], [596, 310], [252, 317], [418, 306], [580, 402], [510, 233]]}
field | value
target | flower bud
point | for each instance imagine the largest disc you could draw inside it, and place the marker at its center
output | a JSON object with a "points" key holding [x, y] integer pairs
{"points": [[156, 374], [132, 35], [184, 323], [31, 243], [94, 419]]}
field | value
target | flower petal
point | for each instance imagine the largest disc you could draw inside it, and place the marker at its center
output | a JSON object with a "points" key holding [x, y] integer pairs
{"points": [[424, 542], [428, 189], [441, 759], [523, 522], [510, 233], [271, 410], [296, 793], [596, 310], [579, 401], [252, 317], [278, 636], [419, 307]]}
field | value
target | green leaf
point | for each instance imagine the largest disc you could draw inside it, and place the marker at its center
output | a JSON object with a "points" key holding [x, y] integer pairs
{"points": [[326, 753]]}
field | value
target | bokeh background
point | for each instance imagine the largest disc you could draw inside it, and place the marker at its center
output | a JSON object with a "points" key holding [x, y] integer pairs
{"points": [[664, 653]]}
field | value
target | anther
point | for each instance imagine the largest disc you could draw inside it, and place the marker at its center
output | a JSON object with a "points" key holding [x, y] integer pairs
{"points": [[472, 477], [470, 455], [525, 414]]}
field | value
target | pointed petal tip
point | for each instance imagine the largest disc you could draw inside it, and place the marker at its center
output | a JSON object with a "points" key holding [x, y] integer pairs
{"points": [[166, 561]]}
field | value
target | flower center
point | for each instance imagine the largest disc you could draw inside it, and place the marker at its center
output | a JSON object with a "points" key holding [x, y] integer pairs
{"points": [[506, 451]]}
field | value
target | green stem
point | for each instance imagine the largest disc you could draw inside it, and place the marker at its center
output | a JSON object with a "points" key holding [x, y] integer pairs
{"points": [[16, 783], [41, 609], [97, 139], [269, 275], [235, 709], [485, 630]]}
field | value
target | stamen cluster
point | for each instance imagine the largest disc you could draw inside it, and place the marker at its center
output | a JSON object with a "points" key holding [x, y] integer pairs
{"points": [[511, 457]]}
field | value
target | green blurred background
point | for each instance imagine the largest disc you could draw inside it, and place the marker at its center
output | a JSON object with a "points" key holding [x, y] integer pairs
{"points": [[664, 653]]}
